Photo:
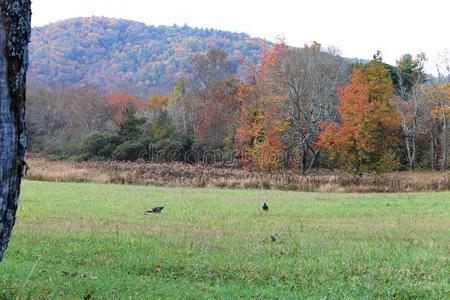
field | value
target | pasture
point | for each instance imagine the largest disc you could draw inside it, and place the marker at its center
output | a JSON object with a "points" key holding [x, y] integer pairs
{"points": [[95, 241]]}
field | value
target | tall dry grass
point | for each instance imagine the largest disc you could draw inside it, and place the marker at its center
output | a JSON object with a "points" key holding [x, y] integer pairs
{"points": [[177, 174]]}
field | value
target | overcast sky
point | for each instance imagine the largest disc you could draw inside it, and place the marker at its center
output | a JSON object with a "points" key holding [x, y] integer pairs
{"points": [[357, 27]]}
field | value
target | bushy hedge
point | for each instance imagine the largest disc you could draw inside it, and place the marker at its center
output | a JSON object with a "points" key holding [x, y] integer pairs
{"points": [[130, 151], [100, 145], [170, 149]]}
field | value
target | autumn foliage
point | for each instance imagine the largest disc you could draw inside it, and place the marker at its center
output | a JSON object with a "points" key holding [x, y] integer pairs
{"points": [[369, 124], [261, 121], [119, 102], [157, 102], [302, 109]]}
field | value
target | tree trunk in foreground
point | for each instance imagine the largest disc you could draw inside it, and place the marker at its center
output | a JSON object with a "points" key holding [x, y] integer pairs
{"points": [[15, 27]]}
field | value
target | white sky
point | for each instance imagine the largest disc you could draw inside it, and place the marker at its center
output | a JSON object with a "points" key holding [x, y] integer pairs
{"points": [[357, 27]]}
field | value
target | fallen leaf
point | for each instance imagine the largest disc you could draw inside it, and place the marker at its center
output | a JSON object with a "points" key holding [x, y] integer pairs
{"points": [[158, 268]]}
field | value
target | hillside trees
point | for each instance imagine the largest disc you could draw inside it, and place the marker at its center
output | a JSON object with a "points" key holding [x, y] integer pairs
{"points": [[121, 55], [15, 27]]}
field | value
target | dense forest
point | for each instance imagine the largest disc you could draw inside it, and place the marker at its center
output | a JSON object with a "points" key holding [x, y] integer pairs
{"points": [[122, 55], [279, 108]]}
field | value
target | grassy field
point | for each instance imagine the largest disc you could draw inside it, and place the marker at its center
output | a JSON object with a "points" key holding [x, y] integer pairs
{"points": [[95, 241]]}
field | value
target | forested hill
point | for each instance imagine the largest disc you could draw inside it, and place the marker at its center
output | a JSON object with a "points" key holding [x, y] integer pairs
{"points": [[120, 54]]}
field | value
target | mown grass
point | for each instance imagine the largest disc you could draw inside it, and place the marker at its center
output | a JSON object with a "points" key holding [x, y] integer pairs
{"points": [[94, 241]]}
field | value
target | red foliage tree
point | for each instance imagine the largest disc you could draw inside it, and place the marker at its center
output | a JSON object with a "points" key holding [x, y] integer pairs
{"points": [[119, 102]]}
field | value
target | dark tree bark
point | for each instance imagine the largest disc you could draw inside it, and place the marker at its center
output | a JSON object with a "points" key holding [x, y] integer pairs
{"points": [[15, 27]]}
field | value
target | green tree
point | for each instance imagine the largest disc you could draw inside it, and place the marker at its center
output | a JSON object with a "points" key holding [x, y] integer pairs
{"points": [[161, 128], [410, 73], [130, 128]]}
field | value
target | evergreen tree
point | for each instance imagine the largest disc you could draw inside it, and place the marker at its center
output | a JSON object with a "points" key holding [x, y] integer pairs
{"points": [[130, 128]]}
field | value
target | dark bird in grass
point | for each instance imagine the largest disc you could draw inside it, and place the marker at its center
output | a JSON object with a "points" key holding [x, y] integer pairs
{"points": [[273, 238], [155, 210], [265, 207]]}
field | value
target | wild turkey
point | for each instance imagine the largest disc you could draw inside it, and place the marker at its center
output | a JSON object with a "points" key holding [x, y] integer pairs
{"points": [[155, 210], [265, 207]]}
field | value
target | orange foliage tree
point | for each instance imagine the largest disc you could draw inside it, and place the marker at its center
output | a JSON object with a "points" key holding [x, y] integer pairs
{"points": [[158, 102], [258, 140], [119, 102], [369, 123]]}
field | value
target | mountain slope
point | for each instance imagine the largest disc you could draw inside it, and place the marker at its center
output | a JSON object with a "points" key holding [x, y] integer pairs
{"points": [[120, 54]]}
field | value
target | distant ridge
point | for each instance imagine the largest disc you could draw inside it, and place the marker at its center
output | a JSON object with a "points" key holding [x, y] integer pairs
{"points": [[118, 54]]}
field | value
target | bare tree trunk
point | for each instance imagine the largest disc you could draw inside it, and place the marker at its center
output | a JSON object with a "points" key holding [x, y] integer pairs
{"points": [[414, 130], [408, 152], [410, 143], [15, 27], [304, 151], [315, 155], [444, 140], [433, 156], [414, 153]]}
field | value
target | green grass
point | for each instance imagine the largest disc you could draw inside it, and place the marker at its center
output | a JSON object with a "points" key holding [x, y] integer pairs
{"points": [[93, 240]]}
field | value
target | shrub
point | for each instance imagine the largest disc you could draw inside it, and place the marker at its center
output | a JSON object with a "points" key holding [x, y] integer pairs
{"points": [[81, 158], [389, 162], [58, 157], [423, 164], [171, 149], [100, 145], [130, 151]]}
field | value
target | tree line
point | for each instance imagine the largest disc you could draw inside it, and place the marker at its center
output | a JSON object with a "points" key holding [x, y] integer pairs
{"points": [[299, 108]]}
